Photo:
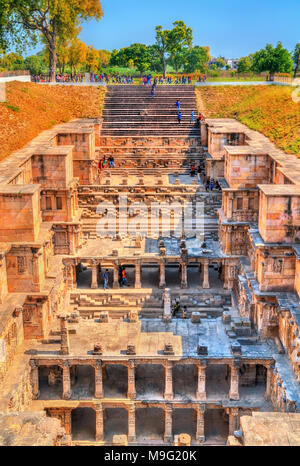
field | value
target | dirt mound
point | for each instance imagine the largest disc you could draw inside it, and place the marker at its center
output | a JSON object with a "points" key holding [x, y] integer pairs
{"points": [[31, 108], [267, 109]]}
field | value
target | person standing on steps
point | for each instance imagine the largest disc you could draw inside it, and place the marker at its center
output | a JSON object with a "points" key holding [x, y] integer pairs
{"points": [[111, 162], [178, 105], [179, 117], [124, 277], [192, 116], [106, 276], [153, 91]]}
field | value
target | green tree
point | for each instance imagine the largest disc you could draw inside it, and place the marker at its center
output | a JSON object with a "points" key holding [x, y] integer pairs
{"points": [[196, 59], [296, 59], [244, 65], [273, 60], [35, 64], [220, 63], [173, 42], [12, 61], [29, 20]]}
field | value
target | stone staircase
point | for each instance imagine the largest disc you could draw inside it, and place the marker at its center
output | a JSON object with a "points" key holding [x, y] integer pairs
{"points": [[148, 303], [125, 106]]}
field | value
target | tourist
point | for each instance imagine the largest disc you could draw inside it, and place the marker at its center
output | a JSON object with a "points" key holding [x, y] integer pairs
{"points": [[178, 105], [184, 312], [111, 162], [199, 171], [179, 117], [192, 116], [212, 184], [193, 170], [207, 185], [106, 276], [124, 277], [153, 90]]}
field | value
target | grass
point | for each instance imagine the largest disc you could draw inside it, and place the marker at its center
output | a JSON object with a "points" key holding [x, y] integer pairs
{"points": [[267, 109], [31, 108]]}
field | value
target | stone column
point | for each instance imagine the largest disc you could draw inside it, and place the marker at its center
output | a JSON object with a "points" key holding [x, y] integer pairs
{"points": [[68, 422], [233, 420], [268, 384], [168, 437], [35, 380], [66, 380], [35, 269], [98, 379], [184, 283], [138, 275], [94, 283], [205, 274], [131, 380], [201, 388], [116, 277], [131, 424], [99, 422], [168, 394], [200, 410], [234, 383], [162, 275], [64, 336]]}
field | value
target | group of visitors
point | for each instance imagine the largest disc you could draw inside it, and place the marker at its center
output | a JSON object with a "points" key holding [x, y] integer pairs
{"points": [[211, 184], [176, 310], [122, 277], [102, 164]]}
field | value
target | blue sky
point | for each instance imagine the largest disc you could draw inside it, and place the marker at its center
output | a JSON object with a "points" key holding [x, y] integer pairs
{"points": [[232, 28]]}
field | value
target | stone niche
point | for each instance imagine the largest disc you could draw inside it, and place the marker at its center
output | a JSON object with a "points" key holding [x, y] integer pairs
{"points": [[279, 213], [20, 216]]}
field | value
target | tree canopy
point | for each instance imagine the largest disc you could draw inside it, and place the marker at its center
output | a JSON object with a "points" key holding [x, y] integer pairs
{"points": [[26, 21], [273, 60]]}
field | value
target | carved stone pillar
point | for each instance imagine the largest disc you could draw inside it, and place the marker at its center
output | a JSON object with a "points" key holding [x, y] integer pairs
{"points": [[98, 380], [99, 423], [68, 422], [94, 283], [162, 275], [35, 269], [168, 437], [116, 277], [131, 424], [131, 380], [268, 384], [184, 282], [138, 275], [35, 379], [205, 274], [66, 380], [64, 336], [168, 394], [233, 420], [201, 388], [200, 410], [234, 383]]}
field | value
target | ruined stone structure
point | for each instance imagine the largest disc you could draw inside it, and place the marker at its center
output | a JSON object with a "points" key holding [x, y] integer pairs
{"points": [[113, 365]]}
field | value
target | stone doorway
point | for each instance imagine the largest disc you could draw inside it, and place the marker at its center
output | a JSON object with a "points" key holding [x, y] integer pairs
{"points": [[150, 425], [149, 381], [82, 382], [185, 422], [83, 421], [185, 378], [217, 381], [216, 426], [115, 381], [115, 423], [173, 275], [150, 276], [50, 382]]}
